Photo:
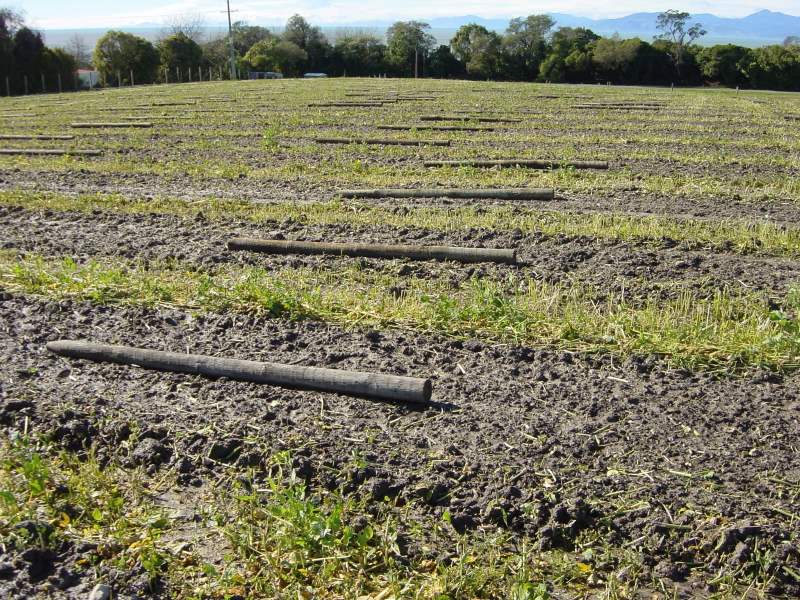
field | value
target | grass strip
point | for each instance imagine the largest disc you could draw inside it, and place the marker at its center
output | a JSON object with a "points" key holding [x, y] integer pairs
{"points": [[726, 332], [737, 235], [263, 536]]}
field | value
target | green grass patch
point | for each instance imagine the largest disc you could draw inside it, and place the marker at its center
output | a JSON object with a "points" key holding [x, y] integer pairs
{"points": [[725, 332], [742, 236], [266, 535]]}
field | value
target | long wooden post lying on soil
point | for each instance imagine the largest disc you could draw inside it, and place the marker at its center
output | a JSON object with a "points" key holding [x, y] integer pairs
{"points": [[466, 117], [480, 193], [380, 142], [346, 104], [120, 124], [433, 128], [623, 107], [49, 151], [459, 254], [36, 137], [374, 385], [531, 164]]}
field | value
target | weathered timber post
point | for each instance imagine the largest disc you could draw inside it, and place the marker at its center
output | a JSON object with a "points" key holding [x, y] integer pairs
{"points": [[454, 253], [44, 87], [375, 385], [25, 77], [466, 194], [59, 82], [132, 82]]}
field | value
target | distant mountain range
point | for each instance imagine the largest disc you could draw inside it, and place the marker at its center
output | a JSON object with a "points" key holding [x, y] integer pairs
{"points": [[762, 27], [759, 29]]}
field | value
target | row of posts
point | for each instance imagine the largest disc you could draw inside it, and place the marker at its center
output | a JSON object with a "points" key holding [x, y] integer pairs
{"points": [[26, 84], [188, 73]]}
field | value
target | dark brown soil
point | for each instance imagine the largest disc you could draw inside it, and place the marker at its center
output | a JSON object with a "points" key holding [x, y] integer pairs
{"points": [[630, 201], [683, 468], [608, 265]]}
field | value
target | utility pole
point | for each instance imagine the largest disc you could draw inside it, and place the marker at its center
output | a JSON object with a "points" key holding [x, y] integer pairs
{"points": [[230, 43]]}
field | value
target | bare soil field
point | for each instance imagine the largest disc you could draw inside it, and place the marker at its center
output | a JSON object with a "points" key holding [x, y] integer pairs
{"points": [[616, 415]]}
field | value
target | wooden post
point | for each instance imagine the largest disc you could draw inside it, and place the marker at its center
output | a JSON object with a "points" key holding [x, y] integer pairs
{"points": [[49, 151], [468, 118], [381, 142], [140, 124], [178, 73], [467, 194], [132, 82], [119, 79], [458, 254], [190, 74], [220, 73], [209, 74], [433, 128], [14, 136], [44, 87], [8, 86], [531, 164], [374, 385], [59, 82]]}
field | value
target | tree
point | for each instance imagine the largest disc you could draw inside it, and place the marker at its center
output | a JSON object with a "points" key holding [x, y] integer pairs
{"points": [[570, 56], [309, 38], [774, 67], [77, 47], [673, 27], [117, 54], [179, 51], [246, 36], [407, 42], [27, 56], [479, 49], [359, 55], [442, 64], [525, 45], [190, 25], [614, 57], [724, 64], [58, 63], [275, 55]]}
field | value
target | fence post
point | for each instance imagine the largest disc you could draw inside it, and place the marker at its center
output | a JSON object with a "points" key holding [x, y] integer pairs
{"points": [[190, 73], [209, 74], [59, 82], [132, 83], [44, 87], [178, 73], [25, 77], [220, 73], [8, 87], [119, 79], [75, 82]]}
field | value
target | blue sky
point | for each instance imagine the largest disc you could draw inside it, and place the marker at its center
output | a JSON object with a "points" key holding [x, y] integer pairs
{"points": [[53, 14]]}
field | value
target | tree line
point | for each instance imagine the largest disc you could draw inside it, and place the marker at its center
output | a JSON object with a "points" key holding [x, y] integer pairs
{"points": [[530, 49]]}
